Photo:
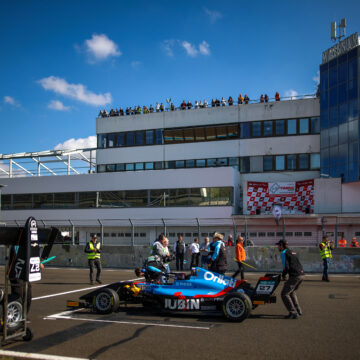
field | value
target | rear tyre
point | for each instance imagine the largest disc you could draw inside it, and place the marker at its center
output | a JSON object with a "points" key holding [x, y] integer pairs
{"points": [[14, 313], [106, 301], [236, 307], [29, 335]]}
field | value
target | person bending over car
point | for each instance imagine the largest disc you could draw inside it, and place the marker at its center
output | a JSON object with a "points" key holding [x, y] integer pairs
{"points": [[217, 257], [292, 267]]}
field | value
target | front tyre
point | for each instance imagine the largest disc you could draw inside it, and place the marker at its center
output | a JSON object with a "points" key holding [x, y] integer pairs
{"points": [[236, 307], [106, 301]]}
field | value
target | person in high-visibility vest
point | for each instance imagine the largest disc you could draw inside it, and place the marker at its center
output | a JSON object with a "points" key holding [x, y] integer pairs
{"points": [[354, 243], [93, 250], [325, 248], [342, 242]]}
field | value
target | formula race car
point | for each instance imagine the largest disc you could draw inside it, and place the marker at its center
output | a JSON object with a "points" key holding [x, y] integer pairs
{"points": [[203, 291]]}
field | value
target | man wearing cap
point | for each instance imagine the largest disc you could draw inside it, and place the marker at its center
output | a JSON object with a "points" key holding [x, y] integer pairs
{"points": [[93, 250], [292, 267], [354, 243], [217, 256]]}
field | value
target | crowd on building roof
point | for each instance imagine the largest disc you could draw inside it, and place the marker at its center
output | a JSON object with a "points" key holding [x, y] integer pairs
{"points": [[137, 110]]}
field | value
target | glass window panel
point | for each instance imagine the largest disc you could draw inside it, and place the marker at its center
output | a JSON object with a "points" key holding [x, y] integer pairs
{"points": [[343, 153], [256, 128], [291, 127], [158, 165], [149, 137], [279, 162], [315, 161], [101, 168], [211, 162], [303, 161], [352, 68], [101, 141], [221, 162], [130, 138], [200, 163], [120, 139], [343, 113], [135, 198], [64, 200], [343, 72], [149, 166], [343, 133], [256, 164], [178, 135], [111, 138], [333, 118], [199, 197], [245, 164], [268, 163], [159, 197], [179, 163], [353, 110], [245, 130], [333, 76], [304, 126], [189, 135], [324, 100], [353, 172], [333, 156], [139, 137], [333, 136], [291, 162], [210, 133], [324, 158], [168, 136], [233, 131], [43, 201], [178, 197], [353, 89], [87, 199], [234, 161], [158, 137], [199, 134], [324, 138], [220, 196], [315, 125], [324, 119], [342, 93], [129, 167], [120, 167], [5, 202], [170, 164], [324, 81], [139, 166], [22, 201], [353, 131], [353, 152], [280, 127], [110, 167], [190, 163], [221, 132], [333, 96], [268, 128]]}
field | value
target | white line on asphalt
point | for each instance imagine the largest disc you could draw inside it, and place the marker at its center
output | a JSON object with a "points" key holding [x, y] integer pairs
{"points": [[65, 316], [17, 354], [78, 290]]}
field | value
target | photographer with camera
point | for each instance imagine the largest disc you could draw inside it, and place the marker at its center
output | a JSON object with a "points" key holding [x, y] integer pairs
{"points": [[325, 248]]}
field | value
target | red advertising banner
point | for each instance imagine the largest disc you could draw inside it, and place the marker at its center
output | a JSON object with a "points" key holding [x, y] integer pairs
{"points": [[260, 201]]}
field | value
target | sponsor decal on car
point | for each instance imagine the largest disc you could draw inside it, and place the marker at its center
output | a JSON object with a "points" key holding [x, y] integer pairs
{"points": [[209, 276], [182, 304]]}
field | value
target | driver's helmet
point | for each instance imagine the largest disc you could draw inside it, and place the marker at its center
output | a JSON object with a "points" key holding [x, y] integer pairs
{"points": [[154, 269]]}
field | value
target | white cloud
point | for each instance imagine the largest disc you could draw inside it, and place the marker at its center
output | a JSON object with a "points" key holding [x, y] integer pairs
{"points": [[9, 100], [74, 91], [168, 47], [316, 78], [204, 48], [291, 93], [81, 143], [213, 15], [58, 105], [136, 64], [100, 47]]}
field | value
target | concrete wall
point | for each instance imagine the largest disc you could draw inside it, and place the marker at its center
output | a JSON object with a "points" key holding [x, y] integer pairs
{"points": [[350, 197], [263, 258], [327, 196]]}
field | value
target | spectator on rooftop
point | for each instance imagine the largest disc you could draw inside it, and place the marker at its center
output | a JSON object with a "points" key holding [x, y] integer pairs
{"points": [[205, 104], [138, 110], [240, 99], [112, 112], [105, 114], [189, 105], [230, 101], [151, 109], [183, 105], [212, 102], [100, 114], [145, 110], [127, 111], [157, 107], [117, 112], [246, 99], [223, 101], [172, 107], [266, 98], [262, 99], [277, 96], [162, 107], [201, 105], [217, 102], [121, 111], [196, 105]]}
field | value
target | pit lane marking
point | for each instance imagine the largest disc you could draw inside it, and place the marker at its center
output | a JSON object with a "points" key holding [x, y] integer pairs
{"points": [[66, 315], [17, 354], [78, 290]]}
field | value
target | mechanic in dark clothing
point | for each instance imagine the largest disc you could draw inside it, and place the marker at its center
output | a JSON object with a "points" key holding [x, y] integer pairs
{"points": [[217, 256], [292, 267], [179, 249]]}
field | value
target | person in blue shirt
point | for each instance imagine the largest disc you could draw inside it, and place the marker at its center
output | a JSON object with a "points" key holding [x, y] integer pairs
{"points": [[217, 257]]}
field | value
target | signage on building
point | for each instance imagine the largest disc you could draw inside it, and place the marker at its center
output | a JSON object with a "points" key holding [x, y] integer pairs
{"points": [[282, 188], [341, 48]]}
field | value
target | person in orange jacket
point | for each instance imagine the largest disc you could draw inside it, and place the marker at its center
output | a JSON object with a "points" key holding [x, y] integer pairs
{"points": [[354, 243], [240, 256], [342, 242]]}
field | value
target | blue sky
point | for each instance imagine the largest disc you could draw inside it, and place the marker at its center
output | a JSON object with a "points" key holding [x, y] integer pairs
{"points": [[62, 61]]}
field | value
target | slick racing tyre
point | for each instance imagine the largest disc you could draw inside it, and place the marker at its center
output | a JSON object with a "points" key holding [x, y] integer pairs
{"points": [[106, 301], [236, 307], [29, 334]]}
